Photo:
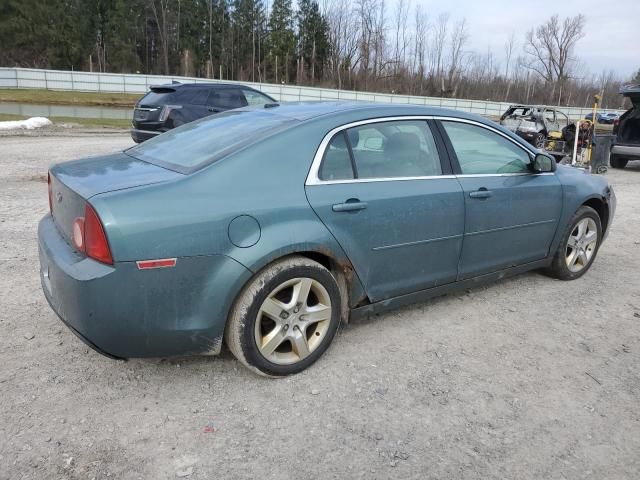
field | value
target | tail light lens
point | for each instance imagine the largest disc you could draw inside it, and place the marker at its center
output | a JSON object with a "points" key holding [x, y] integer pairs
{"points": [[50, 194], [166, 110], [89, 236]]}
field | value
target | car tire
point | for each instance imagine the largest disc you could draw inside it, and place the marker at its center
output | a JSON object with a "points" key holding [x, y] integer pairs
{"points": [[617, 162], [579, 246], [539, 140], [285, 317]]}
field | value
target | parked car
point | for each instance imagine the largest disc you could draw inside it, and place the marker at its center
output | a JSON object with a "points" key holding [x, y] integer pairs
{"points": [[609, 118], [267, 227], [534, 123], [626, 130], [602, 117], [168, 106]]}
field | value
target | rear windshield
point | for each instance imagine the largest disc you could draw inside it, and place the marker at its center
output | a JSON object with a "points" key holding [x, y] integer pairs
{"points": [[156, 97], [192, 146]]}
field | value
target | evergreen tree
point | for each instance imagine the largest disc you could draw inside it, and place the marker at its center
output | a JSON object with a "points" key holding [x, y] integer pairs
{"points": [[248, 20], [313, 40], [281, 41]]}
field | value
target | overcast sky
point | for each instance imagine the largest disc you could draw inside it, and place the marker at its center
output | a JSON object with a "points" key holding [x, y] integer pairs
{"points": [[612, 39]]}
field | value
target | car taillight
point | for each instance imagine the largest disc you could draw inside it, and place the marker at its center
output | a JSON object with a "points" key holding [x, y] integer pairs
{"points": [[89, 237], [50, 195], [166, 110]]}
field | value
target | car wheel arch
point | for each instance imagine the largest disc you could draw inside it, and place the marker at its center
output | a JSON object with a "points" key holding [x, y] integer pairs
{"points": [[601, 206], [351, 291]]}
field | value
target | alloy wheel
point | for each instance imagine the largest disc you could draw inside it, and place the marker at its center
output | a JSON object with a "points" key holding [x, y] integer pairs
{"points": [[293, 320], [581, 245]]}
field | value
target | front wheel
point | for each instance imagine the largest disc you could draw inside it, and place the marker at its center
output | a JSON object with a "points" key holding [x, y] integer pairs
{"points": [[285, 317], [579, 245], [539, 140]]}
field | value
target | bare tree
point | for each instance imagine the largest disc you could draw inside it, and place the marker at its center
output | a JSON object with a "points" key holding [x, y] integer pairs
{"points": [[550, 49], [457, 44], [439, 41], [400, 27], [509, 47], [420, 43]]}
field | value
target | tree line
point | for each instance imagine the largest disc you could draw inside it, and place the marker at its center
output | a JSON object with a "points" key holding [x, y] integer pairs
{"points": [[348, 44]]}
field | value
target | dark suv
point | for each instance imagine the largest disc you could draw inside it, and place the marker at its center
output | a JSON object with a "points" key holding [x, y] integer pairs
{"points": [[626, 130], [168, 106]]}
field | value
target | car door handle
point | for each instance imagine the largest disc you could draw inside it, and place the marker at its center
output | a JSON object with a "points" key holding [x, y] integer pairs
{"points": [[482, 193], [350, 205], [212, 109]]}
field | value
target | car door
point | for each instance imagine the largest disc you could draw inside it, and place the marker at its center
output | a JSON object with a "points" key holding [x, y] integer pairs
{"points": [[381, 189], [551, 121], [511, 213], [192, 102]]}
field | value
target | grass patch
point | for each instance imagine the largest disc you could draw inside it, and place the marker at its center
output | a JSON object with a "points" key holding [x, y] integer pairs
{"points": [[86, 122], [55, 97]]}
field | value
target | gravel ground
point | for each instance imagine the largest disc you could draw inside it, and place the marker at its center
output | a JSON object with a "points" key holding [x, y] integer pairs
{"points": [[529, 378]]}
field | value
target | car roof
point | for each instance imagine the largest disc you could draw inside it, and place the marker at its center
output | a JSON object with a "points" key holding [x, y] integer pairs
{"points": [[308, 110], [217, 85]]}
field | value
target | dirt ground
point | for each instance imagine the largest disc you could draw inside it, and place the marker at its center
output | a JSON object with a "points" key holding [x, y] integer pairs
{"points": [[529, 378]]}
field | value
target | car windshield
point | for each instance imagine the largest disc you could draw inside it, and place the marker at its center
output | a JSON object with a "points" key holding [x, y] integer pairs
{"points": [[192, 146]]}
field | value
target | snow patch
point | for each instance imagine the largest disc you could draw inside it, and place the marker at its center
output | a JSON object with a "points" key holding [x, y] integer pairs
{"points": [[29, 124]]}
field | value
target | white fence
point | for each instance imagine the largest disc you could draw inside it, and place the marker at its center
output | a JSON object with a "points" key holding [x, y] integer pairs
{"points": [[131, 83]]}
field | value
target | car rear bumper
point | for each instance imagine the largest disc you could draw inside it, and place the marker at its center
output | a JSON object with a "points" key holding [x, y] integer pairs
{"points": [[627, 151], [139, 136], [125, 312]]}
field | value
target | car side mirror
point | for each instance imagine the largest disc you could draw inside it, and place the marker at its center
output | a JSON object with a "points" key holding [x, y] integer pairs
{"points": [[543, 163]]}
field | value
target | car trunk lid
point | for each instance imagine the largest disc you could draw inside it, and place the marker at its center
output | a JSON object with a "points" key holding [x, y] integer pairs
{"points": [[72, 184]]}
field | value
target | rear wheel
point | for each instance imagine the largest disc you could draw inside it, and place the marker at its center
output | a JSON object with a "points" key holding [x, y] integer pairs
{"points": [[285, 317], [579, 245], [617, 162]]}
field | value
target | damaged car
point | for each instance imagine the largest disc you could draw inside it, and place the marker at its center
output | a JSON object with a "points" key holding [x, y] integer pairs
{"points": [[534, 123], [626, 130], [266, 227]]}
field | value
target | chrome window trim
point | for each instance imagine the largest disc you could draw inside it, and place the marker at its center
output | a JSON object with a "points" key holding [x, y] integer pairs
{"points": [[313, 179], [379, 179], [482, 175]]}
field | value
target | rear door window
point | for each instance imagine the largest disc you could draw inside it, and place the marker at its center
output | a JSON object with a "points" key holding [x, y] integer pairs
{"points": [[191, 96], [226, 98], [394, 149], [336, 164]]}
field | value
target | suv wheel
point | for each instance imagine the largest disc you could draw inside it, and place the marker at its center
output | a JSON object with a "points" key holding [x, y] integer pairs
{"points": [[539, 140], [617, 162]]}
